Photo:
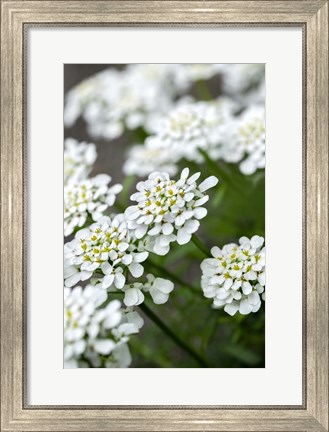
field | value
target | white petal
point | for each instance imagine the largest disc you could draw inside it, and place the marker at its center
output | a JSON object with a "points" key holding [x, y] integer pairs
{"points": [[133, 297], [179, 220], [200, 212], [163, 285], [69, 271], [245, 307], [191, 226], [158, 297], [127, 259], [201, 201], [193, 178], [155, 230], [140, 257], [73, 280], [257, 241], [160, 250], [246, 288], [85, 275], [232, 308], [183, 236], [261, 278], [167, 228], [140, 231], [244, 240], [208, 183], [93, 330], [106, 268], [112, 320], [135, 318], [108, 281], [215, 251], [104, 346], [185, 173], [136, 269], [119, 280]]}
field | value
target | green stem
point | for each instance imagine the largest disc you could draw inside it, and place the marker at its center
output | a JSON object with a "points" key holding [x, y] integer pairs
{"points": [[172, 335], [198, 243]]}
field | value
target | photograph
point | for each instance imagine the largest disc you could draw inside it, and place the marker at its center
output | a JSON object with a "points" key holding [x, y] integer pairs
{"points": [[164, 215]]}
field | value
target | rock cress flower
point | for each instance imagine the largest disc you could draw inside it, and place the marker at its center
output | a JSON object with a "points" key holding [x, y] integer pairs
{"points": [[88, 197], [91, 331], [78, 160], [168, 210], [246, 140], [235, 276], [106, 250], [158, 288]]}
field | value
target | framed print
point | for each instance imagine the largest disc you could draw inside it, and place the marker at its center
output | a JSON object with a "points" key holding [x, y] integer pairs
{"points": [[178, 138]]}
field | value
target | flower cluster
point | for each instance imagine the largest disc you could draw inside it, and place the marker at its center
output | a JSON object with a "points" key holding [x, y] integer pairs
{"points": [[78, 160], [172, 129], [91, 332], [188, 127], [246, 140], [105, 250], [90, 197], [235, 276], [114, 100], [168, 210]]}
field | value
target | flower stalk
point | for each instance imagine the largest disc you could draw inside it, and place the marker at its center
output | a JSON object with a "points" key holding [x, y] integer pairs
{"points": [[198, 243], [152, 316]]}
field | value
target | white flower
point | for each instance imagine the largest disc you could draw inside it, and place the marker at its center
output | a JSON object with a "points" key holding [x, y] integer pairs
{"points": [[117, 99], [92, 331], [89, 197], [158, 288], [133, 294], [235, 276], [168, 210], [153, 155], [240, 78], [77, 99], [104, 250], [187, 128], [78, 160], [246, 140]]}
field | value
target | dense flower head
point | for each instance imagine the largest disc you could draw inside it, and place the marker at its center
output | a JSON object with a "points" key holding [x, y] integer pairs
{"points": [[78, 160], [92, 331], [104, 250], [168, 210], [90, 197], [188, 128], [235, 276], [246, 140], [116, 100]]}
